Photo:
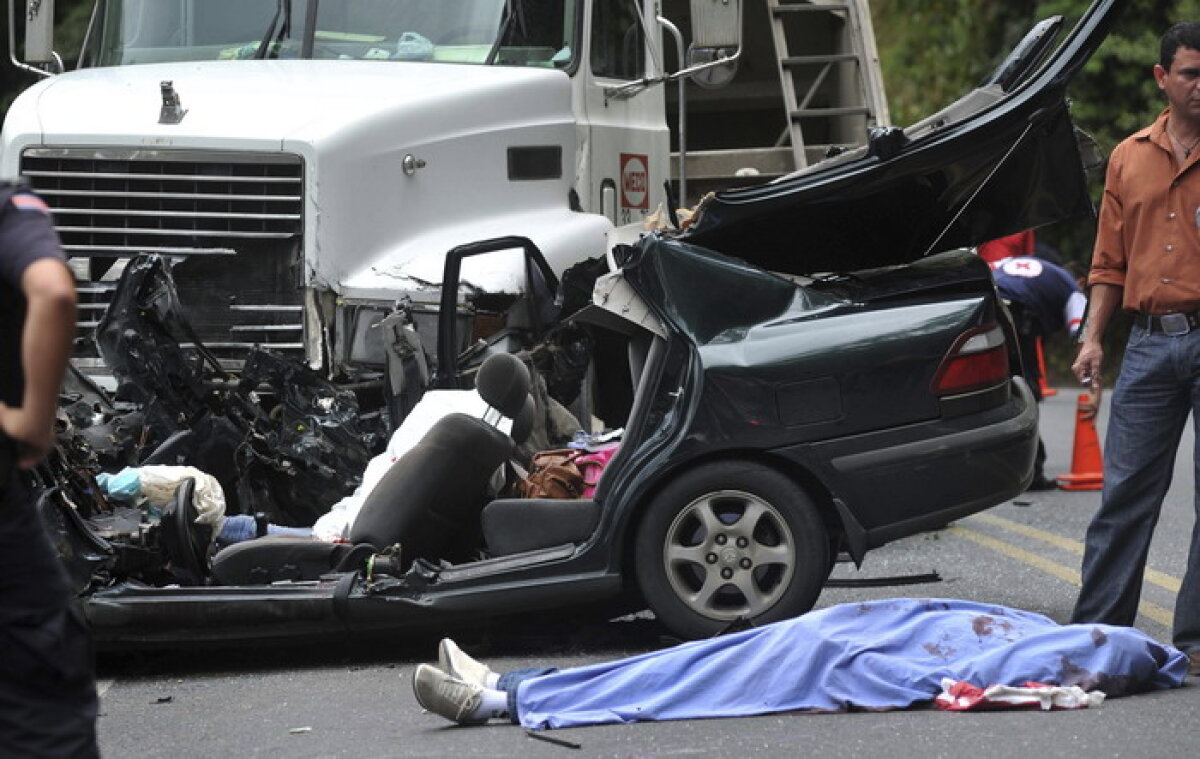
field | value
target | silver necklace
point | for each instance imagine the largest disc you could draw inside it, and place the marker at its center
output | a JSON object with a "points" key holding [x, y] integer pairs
{"points": [[1187, 149]]}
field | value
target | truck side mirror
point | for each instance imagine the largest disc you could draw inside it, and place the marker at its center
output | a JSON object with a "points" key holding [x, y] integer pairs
{"points": [[716, 36], [39, 31], [711, 59]]}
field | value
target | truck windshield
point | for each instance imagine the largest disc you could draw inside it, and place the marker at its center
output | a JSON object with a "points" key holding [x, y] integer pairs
{"points": [[505, 32]]}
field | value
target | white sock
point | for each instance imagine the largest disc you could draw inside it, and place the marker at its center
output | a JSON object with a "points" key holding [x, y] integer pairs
{"points": [[492, 680], [493, 705]]}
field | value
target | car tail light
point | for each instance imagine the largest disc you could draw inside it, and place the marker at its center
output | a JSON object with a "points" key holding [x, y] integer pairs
{"points": [[978, 359]]}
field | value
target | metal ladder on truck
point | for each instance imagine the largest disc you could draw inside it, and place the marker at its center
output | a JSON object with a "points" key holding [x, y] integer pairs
{"points": [[808, 81], [829, 73]]}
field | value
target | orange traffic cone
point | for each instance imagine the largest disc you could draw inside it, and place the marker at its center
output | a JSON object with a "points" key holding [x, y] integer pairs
{"points": [[1044, 386], [1087, 466]]}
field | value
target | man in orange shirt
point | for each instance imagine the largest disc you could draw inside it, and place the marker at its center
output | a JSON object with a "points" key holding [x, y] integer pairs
{"points": [[1147, 260]]}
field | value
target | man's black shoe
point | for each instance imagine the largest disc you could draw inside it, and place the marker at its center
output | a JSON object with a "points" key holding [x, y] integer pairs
{"points": [[1042, 482]]}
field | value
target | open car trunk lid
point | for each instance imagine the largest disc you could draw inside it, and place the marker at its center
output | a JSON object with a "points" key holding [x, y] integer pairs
{"points": [[1002, 159]]}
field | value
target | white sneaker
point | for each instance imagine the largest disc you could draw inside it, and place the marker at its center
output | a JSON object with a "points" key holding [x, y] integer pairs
{"points": [[447, 696], [457, 664]]}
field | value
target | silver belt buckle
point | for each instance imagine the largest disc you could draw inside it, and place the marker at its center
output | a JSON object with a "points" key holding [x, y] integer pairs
{"points": [[1174, 324]]}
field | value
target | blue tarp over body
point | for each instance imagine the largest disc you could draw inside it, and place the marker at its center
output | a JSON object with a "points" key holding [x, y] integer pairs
{"points": [[878, 655]]}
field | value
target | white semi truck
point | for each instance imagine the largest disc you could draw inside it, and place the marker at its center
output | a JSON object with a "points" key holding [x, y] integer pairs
{"points": [[307, 164]]}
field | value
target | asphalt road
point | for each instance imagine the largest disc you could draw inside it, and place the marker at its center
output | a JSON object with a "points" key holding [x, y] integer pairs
{"points": [[357, 700]]}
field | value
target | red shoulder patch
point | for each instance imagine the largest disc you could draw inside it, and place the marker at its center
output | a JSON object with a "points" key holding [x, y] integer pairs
{"points": [[24, 202]]}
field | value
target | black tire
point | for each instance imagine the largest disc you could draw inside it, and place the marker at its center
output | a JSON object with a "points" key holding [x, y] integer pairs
{"points": [[699, 580]]}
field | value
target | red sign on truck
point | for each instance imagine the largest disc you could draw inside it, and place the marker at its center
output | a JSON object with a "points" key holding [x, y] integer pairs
{"points": [[635, 178]]}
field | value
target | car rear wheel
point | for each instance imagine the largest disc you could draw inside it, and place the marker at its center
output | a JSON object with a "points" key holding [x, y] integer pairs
{"points": [[730, 541]]}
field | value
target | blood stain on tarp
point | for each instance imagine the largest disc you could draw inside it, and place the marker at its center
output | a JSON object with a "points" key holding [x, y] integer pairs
{"points": [[982, 625], [940, 651], [985, 625]]}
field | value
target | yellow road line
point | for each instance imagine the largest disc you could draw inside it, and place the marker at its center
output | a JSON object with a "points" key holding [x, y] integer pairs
{"points": [[1153, 576], [1151, 610]]}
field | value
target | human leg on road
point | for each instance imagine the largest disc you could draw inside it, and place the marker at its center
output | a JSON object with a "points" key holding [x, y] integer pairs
{"points": [[1027, 347], [1186, 632], [468, 691], [1148, 410], [1040, 481], [48, 698], [458, 700]]}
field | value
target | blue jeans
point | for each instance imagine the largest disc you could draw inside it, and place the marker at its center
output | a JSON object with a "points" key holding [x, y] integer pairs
{"points": [[1158, 387], [243, 527], [48, 700], [510, 680]]}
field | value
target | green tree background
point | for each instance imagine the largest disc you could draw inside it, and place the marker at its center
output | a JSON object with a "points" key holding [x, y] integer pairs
{"points": [[932, 51]]}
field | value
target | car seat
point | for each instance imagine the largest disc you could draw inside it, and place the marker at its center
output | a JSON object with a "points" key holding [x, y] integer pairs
{"points": [[428, 502], [517, 525]]}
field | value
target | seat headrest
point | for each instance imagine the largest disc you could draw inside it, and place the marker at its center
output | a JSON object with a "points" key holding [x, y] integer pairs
{"points": [[503, 383], [523, 422]]}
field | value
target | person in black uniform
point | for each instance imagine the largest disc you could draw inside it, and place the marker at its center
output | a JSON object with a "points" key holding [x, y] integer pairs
{"points": [[1044, 299], [48, 697]]}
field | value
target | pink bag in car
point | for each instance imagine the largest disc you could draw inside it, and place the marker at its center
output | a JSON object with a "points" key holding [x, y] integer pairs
{"points": [[592, 464]]}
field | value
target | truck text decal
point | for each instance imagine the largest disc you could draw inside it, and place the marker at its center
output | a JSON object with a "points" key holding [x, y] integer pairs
{"points": [[634, 181]]}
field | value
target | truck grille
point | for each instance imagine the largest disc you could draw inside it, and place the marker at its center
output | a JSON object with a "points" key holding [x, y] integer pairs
{"points": [[232, 223]]}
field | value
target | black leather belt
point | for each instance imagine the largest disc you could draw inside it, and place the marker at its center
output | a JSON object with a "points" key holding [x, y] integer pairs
{"points": [[1168, 324]]}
